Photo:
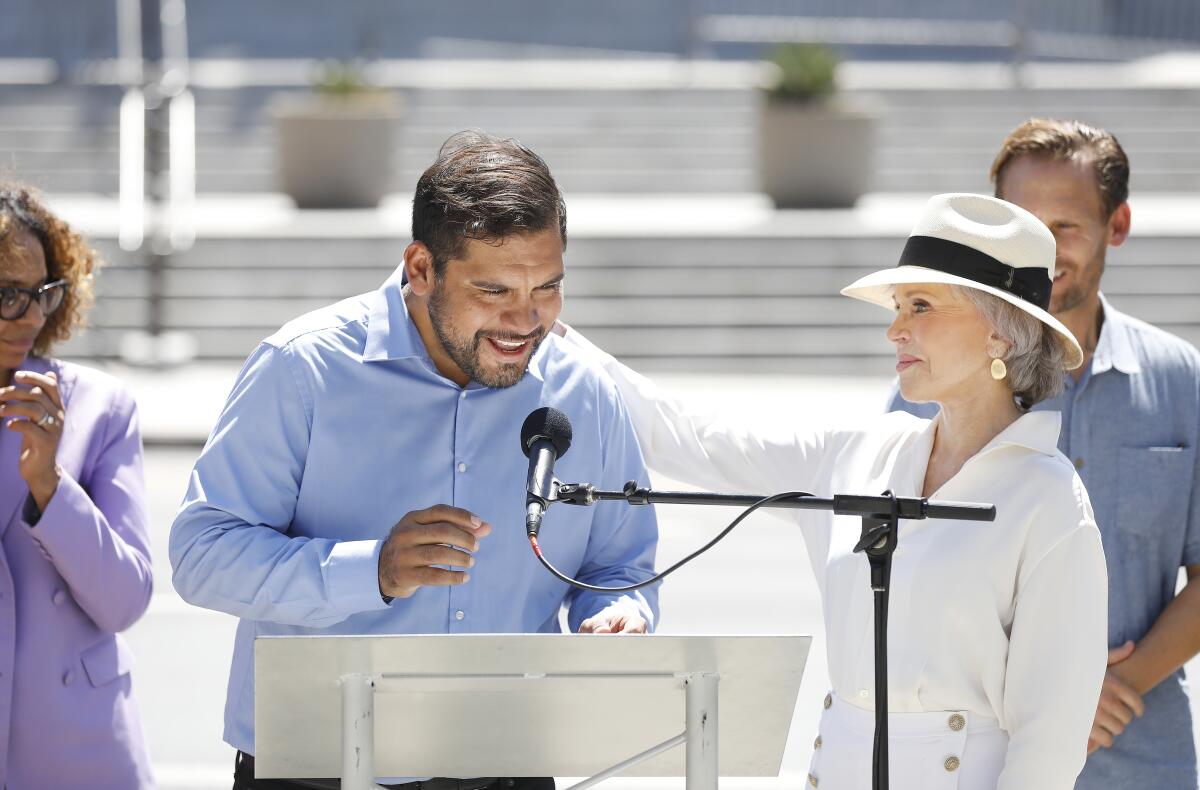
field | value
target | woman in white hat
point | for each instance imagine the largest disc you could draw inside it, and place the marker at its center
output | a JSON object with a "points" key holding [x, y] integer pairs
{"points": [[997, 632]]}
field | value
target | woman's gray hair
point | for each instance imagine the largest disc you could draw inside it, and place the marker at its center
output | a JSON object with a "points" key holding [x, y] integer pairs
{"points": [[1036, 359]]}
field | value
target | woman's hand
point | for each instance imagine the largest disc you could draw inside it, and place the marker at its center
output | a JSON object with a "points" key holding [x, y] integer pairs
{"points": [[33, 400]]}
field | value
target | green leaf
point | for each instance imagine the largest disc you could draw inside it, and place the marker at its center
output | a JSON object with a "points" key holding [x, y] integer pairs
{"points": [[804, 72]]}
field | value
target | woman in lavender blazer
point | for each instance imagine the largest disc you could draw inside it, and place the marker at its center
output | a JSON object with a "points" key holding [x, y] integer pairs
{"points": [[74, 554]]}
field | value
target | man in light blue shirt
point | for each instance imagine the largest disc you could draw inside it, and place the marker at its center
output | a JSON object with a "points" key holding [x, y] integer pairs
{"points": [[1131, 425], [366, 475]]}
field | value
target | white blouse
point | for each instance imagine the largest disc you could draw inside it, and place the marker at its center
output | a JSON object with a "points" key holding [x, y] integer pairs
{"points": [[1006, 619]]}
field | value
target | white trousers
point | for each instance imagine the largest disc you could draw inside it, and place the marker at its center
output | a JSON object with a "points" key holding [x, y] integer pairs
{"points": [[939, 750]]}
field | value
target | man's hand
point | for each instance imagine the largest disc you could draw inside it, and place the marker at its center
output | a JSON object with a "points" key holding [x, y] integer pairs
{"points": [[1118, 703], [618, 618], [424, 539]]}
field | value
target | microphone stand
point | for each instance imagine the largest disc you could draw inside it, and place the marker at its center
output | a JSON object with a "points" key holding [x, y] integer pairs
{"points": [[880, 532]]}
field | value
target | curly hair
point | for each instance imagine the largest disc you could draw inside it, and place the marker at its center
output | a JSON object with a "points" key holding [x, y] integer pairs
{"points": [[68, 257]]}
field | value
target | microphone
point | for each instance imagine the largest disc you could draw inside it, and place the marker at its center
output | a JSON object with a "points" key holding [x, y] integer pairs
{"points": [[545, 437]]}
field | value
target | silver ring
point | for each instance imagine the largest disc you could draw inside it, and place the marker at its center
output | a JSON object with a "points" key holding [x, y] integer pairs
{"points": [[46, 420]]}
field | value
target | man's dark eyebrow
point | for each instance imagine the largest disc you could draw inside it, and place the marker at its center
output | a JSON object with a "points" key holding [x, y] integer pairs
{"points": [[492, 286]]}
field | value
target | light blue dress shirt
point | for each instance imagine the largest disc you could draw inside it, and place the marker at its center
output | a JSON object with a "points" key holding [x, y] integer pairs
{"points": [[338, 425], [1131, 425]]}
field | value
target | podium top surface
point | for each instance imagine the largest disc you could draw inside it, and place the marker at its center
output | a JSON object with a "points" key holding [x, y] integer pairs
{"points": [[521, 705]]}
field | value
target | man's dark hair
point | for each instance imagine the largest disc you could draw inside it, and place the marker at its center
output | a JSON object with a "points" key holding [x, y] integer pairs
{"points": [[1070, 141], [484, 188]]}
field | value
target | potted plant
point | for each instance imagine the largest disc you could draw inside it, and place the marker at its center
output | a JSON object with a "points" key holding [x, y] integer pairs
{"points": [[334, 146], [814, 150]]}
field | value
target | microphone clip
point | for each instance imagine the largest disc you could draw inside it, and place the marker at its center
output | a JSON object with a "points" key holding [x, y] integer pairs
{"points": [[575, 493]]}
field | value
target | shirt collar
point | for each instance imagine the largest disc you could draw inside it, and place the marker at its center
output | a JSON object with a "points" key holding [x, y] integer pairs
{"points": [[391, 333], [1114, 349], [1035, 430]]}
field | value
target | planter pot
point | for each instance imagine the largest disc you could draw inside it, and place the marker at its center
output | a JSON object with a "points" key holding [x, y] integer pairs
{"points": [[335, 152], [815, 155]]}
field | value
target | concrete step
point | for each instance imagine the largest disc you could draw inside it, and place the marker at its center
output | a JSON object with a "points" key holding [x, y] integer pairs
{"points": [[703, 302], [751, 284], [697, 253], [625, 140]]}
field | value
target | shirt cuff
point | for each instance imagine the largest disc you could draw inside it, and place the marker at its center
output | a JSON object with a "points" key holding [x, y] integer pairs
{"points": [[1191, 554], [353, 576], [68, 504], [55, 529], [31, 513]]}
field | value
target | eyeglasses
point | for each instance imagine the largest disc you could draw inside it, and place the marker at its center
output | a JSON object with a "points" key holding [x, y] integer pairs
{"points": [[14, 302]]}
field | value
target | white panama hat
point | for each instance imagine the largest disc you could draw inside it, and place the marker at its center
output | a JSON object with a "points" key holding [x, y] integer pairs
{"points": [[979, 242]]}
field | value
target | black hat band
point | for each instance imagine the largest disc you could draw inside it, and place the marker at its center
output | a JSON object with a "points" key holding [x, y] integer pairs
{"points": [[1031, 283]]}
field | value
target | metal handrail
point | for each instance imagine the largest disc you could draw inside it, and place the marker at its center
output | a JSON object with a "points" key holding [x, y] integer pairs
{"points": [[181, 126], [132, 165], [155, 99]]}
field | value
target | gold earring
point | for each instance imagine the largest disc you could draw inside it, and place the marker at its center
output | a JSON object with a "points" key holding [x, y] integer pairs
{"points": [[999, 369]]}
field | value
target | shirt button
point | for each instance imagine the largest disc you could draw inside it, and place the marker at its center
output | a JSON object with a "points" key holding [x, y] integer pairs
{"points": [[1078, 463], [460, 614], [863, 693], [462, 395], [59, 597], [812, 780], [68, 677], [957, 722], [951, 763], [817, 743], [828, 701], [462, 467]]}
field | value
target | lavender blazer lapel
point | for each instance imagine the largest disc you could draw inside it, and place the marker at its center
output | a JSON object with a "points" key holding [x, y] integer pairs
{"points": [[12, 488]]}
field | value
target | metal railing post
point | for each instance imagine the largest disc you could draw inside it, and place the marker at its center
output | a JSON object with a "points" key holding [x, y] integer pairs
{"points": [[132, 127]]}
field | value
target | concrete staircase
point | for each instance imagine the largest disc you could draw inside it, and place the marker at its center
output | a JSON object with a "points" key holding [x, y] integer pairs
{"points": [[624, 140], [720, 303], [701, 297]]}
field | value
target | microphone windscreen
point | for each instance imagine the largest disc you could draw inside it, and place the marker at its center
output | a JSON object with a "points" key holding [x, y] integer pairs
{"points": [[550, 424]]}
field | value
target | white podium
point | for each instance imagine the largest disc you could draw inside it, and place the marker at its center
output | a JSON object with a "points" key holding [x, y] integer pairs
{"points": [[524, 705]]}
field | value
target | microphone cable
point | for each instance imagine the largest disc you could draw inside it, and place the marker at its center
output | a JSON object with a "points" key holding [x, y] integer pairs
{"points": [[537, 550]]}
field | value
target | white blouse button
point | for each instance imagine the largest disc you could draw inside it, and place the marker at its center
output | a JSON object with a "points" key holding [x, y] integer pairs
{"points": [[951, 763]]}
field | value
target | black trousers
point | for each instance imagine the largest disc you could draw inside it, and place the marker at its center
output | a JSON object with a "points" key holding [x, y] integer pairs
{"points": [[243, 779]]}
